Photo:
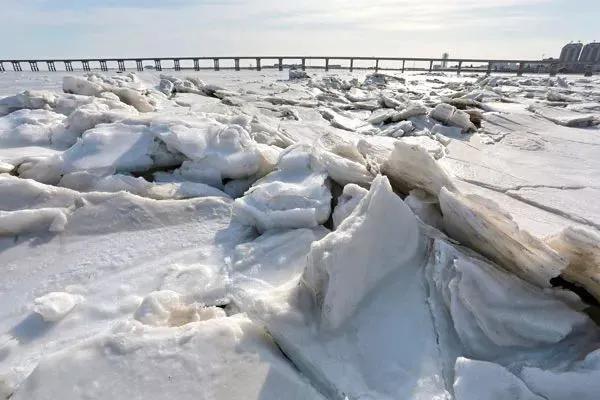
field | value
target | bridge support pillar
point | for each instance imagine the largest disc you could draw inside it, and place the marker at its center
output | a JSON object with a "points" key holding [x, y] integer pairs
{"points": [[351, 64], [403, 65], [258, 64], [103, 66], [16, 66], [489, 68], [280, 63], [121, 64], [196, 64], [216, 63], [430, 65], [237, 64], [304, 64], [327, 64], [459, 68], [157, 65], [2, 67], [51, 66], [33, 66], [139, 65], [68, 66], [176, 64], [521, 68], [85, 65], [377, 65]]}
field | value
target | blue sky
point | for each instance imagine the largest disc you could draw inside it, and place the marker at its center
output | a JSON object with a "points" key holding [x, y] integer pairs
{"points": [[130, 28]]}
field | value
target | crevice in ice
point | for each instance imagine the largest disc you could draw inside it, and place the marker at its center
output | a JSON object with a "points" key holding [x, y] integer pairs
{"points": [[511, 193], [554, 210], [579, 290], [519, 187]]}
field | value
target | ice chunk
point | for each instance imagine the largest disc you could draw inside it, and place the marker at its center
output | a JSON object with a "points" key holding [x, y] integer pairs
{"points": [[380, 115], [221, 359], [425, 206], [480, 224], [580, 380], [18, 194], [581, 247], [87, 182], [451, 115], [410, 166], [481, 301], [30, 127], [411, 110], [343, 170], [555, 95], [295, 195], [6, 167], [398, 129], [565, 117], [340, 121], [271, 260], [92, 86], [87, 116], [119, 146], [370, 273], [55, 306], [347, 202], [434, 147], [27, 221], [82, 86], [481, 380], [216, 151], [297, 74], [359, 95], [168, 308], [338, 266]]}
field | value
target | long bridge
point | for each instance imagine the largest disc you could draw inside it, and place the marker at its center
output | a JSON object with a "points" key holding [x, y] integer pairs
{"points": [[402, 64]]}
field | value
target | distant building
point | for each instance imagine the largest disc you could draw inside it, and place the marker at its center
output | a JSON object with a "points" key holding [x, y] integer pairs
{"points": [[445, 57], [590, 53], [570, 53]]}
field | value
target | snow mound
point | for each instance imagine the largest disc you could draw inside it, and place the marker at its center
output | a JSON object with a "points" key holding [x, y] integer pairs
{"points": [[199, 360], [55, 306]]}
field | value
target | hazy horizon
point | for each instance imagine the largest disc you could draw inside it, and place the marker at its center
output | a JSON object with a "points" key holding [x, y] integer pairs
{"points": [[529, 29]]}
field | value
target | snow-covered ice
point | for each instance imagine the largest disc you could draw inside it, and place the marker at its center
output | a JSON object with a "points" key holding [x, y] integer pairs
{"points": [[267, 235]]}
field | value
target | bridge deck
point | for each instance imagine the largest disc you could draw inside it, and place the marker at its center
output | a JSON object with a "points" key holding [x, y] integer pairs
{"points": [[488, 66]]}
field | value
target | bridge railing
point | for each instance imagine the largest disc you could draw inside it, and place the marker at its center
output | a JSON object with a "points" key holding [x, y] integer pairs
{"points": [[401, 64]]}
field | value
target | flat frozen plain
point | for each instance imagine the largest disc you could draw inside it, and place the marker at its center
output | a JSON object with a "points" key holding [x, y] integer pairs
{"points": [[244, 235]]}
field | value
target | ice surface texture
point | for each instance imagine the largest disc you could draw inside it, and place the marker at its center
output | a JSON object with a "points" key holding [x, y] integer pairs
{"points": [[299, 236]]}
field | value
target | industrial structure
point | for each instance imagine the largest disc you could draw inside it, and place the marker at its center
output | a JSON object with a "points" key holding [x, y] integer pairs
{"points": [[575, 57]]}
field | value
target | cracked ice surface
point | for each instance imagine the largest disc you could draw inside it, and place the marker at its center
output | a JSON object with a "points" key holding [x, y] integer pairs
{"points": [[308, 236]]}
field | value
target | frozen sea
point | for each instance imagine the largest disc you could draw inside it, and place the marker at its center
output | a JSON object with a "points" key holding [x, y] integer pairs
{"points": [[275, 234]]}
